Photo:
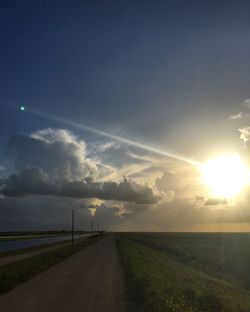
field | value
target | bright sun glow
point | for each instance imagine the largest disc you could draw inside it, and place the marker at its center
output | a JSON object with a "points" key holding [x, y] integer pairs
{"points": [[225, 175]]}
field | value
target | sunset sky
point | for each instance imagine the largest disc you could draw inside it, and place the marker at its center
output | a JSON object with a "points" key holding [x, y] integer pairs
{"points": [[112, 89]]}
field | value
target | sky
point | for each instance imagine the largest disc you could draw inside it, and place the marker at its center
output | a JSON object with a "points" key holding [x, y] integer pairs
{"points": [[172, 76]]}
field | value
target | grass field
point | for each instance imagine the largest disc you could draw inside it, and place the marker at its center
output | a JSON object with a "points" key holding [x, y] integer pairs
{"points": [[187, 272]]}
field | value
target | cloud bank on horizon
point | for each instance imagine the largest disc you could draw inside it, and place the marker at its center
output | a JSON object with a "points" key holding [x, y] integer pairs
{"points": [[54, 162]]}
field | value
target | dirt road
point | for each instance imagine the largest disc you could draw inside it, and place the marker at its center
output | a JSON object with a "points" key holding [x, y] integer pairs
{"points": [[89, 281]]}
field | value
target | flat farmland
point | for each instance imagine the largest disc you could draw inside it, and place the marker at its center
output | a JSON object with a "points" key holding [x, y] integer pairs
{"points": [[187, 271]]}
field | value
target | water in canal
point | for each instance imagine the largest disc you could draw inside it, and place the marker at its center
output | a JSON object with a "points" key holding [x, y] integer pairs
{"points": [[9, 245]]}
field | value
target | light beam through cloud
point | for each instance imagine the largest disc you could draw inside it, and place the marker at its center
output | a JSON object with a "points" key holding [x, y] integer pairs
{"points": [[108, 135]]}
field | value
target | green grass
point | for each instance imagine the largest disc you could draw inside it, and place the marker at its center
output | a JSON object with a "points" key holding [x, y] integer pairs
{"points": [[35, 236], [160, 282], [223, 255], [15, 273]]}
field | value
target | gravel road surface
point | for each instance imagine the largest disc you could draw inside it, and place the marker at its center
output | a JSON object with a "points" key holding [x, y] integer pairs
{"points": [[89, 281]]}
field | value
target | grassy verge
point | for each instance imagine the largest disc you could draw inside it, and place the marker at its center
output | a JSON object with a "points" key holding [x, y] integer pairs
{"points": [[15, 273], [22, 237], [157, 282], [223, 255]]}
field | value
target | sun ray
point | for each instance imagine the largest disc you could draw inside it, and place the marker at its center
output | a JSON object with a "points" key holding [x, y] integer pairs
{"points": [[111, 136]]}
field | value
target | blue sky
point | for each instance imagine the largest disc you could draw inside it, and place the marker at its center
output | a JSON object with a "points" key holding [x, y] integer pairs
{"points": [[165, 73], [139, 67]]}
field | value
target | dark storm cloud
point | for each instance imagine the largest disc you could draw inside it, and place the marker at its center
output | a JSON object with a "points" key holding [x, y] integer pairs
{"points": [[34, 181], [122, 191]]}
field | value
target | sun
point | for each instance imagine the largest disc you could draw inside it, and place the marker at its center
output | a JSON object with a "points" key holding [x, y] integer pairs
{"points": [[225, 175]]}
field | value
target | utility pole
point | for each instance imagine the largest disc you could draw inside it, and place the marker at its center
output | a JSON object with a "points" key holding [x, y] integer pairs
{"points": [[73, 226]]}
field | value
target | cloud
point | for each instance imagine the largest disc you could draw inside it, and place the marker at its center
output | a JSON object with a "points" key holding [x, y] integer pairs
{"points": [[168, 182], [56, 162], [34, 181], [2, 182], [200, 201], [121, 191], [244, 134], [92, 211], [29, 182], [102, 147], [245, 150], [246, 102], [183, 215], [240, 115], [183, 183], [216, 202], [98, 207], [164, 216], [58, 152]]}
